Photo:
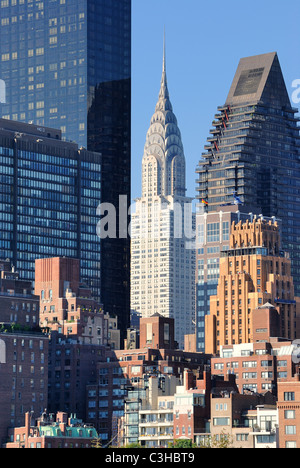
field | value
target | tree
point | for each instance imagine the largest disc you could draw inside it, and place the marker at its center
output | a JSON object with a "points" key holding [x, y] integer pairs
{"points": [[132, 446], [183, 443], [96, 443], [224, 441]]}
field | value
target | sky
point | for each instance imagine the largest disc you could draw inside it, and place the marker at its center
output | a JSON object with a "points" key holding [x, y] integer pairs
{"points": [[205, 41]]}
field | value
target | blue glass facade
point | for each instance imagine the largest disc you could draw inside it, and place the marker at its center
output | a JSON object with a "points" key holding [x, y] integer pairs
{"points": [[66, 64], [6, 201], [44, 64]]}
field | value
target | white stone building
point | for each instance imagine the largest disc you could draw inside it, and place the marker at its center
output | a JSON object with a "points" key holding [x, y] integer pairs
{"points": [[162, 228]]}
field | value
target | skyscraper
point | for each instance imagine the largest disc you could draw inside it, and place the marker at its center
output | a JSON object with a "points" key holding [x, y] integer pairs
{"points": [[48, 192], [254, 151], [163, 262], [254, 271], [213, 237], [66, 64]]}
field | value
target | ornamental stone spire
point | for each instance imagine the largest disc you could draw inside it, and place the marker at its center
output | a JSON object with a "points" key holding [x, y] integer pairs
{"points": [[163, 258], [163, 160]]}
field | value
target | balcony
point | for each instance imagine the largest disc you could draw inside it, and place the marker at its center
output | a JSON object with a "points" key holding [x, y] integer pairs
{"points": [[263, 432], [161, 435], [158, 422]]}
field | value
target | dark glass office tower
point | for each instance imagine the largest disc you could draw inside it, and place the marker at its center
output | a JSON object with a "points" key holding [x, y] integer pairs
{"points": [[47, 192], [66, 64], [254, 150]]}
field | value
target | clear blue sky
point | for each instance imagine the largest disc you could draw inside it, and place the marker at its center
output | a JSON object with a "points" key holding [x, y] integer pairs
{"points": [[205, 40]]}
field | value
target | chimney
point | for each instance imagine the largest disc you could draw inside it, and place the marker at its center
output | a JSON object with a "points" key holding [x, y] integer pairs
{"points": [[27, 424], [188, 379], [62, 420], [27, 428], [63, 427]]}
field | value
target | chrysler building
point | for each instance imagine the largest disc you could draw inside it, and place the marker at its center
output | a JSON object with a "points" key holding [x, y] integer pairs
{"points": [[162, 253]]}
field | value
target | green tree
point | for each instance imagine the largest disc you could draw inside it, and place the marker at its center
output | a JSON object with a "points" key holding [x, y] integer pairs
{"points": [[224, 441], [133, 446], [183, 443], [96, 443]]}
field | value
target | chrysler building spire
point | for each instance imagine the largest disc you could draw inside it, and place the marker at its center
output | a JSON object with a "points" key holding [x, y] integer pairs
{"points": [[163, 160], [163, 261], [164, 85]]}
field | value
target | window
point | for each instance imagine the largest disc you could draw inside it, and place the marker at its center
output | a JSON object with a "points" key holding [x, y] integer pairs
{"points": [[221, 421], [213, 232], [249, 375], [267, 375], [250, 364], [289, 396], [266, 363], [265, 439], [290, 430], [289, 414], [290, 444], [281, 363], [219, 366], [226, 231]]}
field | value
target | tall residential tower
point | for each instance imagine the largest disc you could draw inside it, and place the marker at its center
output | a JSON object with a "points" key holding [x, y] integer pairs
{"points": [[254, 150], [163, 260]]}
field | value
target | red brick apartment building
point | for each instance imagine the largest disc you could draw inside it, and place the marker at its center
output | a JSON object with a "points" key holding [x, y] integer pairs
{"points": [[67, 305], [156, 356], [288, 405], [158, 351], [23, 352], [49, 433], [258, 367], [192, 403], [78, 333]]}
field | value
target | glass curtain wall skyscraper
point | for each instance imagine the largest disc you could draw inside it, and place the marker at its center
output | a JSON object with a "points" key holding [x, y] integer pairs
{"points": [[45, 186], [254, 151], [66, 64]]}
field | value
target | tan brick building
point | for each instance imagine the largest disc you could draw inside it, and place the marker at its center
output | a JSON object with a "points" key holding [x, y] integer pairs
{"points": [[253, 272]]}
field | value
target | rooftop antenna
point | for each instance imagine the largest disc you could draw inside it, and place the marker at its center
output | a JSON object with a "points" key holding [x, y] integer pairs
{"points": [[164, 60]]}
